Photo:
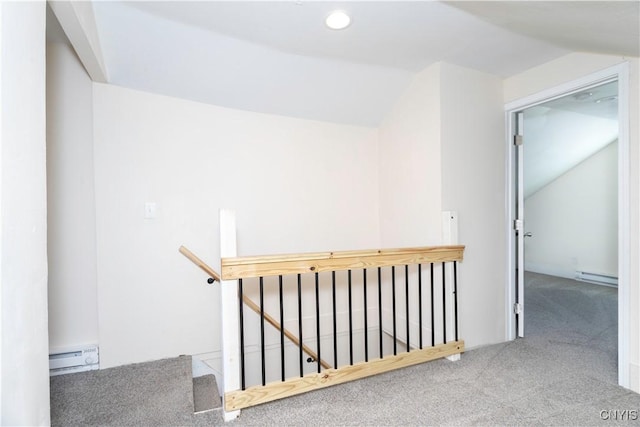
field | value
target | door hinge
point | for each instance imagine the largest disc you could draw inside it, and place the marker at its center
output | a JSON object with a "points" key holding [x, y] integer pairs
{"points": [[517, 308], [517, 224], [517, 140]]}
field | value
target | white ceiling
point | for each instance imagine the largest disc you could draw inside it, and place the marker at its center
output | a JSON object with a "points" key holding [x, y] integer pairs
{"points": [[610, 27], [278, 57], [560, 134]]}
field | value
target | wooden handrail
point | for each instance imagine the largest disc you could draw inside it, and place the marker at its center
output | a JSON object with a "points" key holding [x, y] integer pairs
{"points": [[253, 306], [274, 265], [197, 261]]}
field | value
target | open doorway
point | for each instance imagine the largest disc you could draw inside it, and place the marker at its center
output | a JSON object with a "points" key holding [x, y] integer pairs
{"points": [[549, 256], [570, 186]]}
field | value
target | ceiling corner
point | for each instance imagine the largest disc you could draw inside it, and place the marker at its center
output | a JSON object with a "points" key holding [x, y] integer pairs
{"points": [[77, 19]]}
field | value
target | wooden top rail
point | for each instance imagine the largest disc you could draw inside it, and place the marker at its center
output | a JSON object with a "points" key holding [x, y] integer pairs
{"points": [[197, 261], [274, 265]]}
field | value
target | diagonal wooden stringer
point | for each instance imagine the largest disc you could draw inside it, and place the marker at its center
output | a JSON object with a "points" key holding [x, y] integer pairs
{"points": [[253, 306]]}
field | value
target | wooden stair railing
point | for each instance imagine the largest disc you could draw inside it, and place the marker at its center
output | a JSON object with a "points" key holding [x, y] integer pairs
{"points": [[252, 305], [448, 344], [197, 261]]}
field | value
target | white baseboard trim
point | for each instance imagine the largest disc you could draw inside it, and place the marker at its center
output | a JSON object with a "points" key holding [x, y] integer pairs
{"points": [[607, 280], [549, 270]]}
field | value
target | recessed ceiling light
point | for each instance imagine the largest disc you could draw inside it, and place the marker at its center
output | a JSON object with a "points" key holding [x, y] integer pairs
{"points": [[582, 96], [606, 99], [338, 20]]}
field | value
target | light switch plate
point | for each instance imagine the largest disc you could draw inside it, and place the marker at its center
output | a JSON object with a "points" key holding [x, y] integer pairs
{"points": [[150, 210]]}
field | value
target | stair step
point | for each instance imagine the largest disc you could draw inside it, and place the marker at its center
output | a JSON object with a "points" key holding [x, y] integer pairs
{"points": [[126, 395], [205, 394]]}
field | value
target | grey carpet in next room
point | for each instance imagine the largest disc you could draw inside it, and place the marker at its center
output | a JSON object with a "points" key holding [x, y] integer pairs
{"points": [[562, 373]]}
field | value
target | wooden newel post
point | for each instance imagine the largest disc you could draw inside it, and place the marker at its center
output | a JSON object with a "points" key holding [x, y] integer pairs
{"points": [[229, 311]]}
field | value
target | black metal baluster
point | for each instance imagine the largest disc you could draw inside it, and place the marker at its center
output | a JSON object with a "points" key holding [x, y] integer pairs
{"points": [[455, 294], [262, 355], [380, 308], [335, 327], [350, 321], [300, 325], [406, 297], [433, 317], [393, 299], [281, 328], [366, 326], [444, 306], [318, 319], [241, 299], [420, 302]]}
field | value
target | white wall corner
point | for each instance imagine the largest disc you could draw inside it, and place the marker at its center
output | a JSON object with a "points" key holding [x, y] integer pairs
{"points": [[78, 21], [24, 382]]}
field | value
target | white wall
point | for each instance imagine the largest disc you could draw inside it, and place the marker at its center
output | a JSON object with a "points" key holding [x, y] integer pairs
{"points": [[296, 186], [24, 372], [441, 148], [473, 159], [409, 165], [73, 307], [567, 69], [574, 220]]}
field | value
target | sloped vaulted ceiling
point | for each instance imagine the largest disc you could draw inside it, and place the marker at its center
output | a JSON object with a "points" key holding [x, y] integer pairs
{"points": [[562, 133], [278, 56]]}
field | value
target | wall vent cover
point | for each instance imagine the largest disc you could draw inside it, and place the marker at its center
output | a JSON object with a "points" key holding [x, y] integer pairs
{"points": [[74, 360], [595, 278]]}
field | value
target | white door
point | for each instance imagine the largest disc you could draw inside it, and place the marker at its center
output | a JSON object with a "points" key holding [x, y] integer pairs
{"points": [[518, 226]]}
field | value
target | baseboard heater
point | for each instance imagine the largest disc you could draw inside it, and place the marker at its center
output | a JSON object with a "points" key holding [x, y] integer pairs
{"points": [[74, 360], [598, 279]]}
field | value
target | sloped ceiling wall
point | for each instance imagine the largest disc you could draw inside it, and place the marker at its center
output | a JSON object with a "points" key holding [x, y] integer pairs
{"points": [[560, 134]]}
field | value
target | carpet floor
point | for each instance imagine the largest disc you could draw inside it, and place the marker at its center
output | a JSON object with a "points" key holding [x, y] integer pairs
{"points": [[563, 373]]}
